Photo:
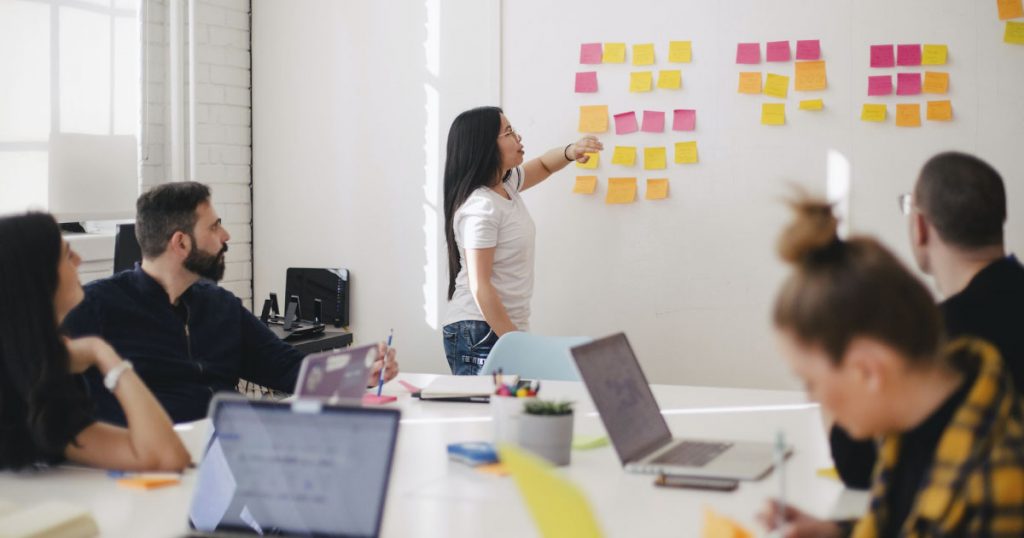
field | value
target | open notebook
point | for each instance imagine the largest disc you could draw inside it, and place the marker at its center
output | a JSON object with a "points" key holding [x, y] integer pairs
{"points": [[463, 388]]}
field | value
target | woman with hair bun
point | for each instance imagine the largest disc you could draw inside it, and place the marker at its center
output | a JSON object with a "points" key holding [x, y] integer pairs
{"points": [[865, 337]]}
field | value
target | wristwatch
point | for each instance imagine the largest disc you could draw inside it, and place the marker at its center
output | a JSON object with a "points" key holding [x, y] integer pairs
{"points": [[114, 375]]}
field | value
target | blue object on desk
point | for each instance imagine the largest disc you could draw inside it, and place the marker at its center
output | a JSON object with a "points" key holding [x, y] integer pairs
{"points": [[473, 453]]}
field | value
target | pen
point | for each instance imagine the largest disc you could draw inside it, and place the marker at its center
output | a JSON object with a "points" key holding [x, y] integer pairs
{"points": [[780, 462], [380, 382]]}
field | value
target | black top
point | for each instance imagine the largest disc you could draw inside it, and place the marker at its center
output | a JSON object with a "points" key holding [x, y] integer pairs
{"points": [[991, 307], [19, 448], [184, 353]]}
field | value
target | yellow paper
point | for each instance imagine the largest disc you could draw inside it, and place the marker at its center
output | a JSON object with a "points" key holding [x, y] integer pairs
{"points": [[686, 152], [621, 190], [773, 113], [720, 526], [828, 472], [750, 82], [643, 54], [872, 112], [935, 82], [680, 52], [592, 162], [810, 76], [670, 80], [593, 118], [624, 155], [657, 189], [585, 185], [1010, 9], [776, 85], [812, 104], [614, 53], [558, 507], [1014, 33], [908, 115], [940, 111], [640, 81], [654, 158], [934, 55]]}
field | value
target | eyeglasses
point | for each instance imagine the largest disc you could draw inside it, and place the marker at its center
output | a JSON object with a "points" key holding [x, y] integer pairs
{"points": [[511, 132], [906, 202]]}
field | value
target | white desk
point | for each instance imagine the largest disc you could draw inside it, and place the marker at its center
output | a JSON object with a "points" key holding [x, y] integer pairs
{"points": [[430, 496]]}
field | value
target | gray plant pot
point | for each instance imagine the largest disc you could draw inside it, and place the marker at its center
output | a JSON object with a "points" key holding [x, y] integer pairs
{"points": [[548, 436]]}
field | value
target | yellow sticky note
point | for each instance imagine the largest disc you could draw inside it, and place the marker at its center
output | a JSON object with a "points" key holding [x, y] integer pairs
{"points": [[719, 526], [680, 52], [776, 85], [585, 185], [750, 82], [908, 115], [810, 76], [557, 506], [624, 155], [773, 113], [657, 189], [592, 162], [1014, 33], [593, 118], [640, 81], [686, 152], [812, 104], [934, 54], [1010, 9], [828, 472], [872, 112], [940, 111], [643, 54], [935, 82], [614, 53], [670, 80], [621, 190], [654, 158]]}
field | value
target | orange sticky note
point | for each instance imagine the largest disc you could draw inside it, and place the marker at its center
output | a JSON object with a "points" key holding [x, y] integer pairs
{"points": [[585, 185], [592, 162], [654, 158], [686, 152], [812, 104], [671, 79], [614, 53], [1014, 33], [640, 81], [643, 54], [657, 189], [940, 111], [496, 469], [873, 112], [810, 76], [934, 55], [776, 85], [621, 190], [908, 115], [1010, 9], [935, 82], [143, 482], [750, 82], [773, 114], [719, 526], [680, 52], [593, 118]]}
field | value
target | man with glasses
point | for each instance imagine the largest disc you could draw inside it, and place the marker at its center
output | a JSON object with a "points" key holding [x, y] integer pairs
{"points": [[956, 216]]}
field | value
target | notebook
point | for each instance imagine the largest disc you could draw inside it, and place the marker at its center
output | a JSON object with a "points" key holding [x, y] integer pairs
{"points": [[463, 388]]}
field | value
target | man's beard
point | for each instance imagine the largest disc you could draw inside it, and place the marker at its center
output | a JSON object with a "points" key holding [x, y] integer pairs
{"points": [[209, 266]]}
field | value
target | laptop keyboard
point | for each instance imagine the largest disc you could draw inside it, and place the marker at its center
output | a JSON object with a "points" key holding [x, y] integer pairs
{"points": [[692, 454]]}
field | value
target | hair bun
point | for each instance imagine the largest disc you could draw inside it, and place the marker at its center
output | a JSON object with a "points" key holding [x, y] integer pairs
{"points": [[813, 231]]}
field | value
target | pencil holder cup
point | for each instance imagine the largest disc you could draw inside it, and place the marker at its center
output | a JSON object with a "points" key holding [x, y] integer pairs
{"points": [[548, 436], [506, 412]]}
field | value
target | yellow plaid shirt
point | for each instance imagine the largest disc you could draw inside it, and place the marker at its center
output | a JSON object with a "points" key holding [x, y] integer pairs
{"points": [[975, 486]]}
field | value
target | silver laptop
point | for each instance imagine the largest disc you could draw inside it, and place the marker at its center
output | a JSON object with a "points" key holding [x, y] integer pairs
{"points": [[639, 432], [299, 469], [337, 375]]}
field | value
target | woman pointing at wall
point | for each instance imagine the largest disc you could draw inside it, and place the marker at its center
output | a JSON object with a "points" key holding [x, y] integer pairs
{"points": [[489, 231]]}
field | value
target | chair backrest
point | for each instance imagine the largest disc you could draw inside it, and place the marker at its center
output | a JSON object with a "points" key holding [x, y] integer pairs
{"points": [[532, 356], [126, 248]]}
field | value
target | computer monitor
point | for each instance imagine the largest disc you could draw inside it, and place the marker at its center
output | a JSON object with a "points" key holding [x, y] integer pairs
{"points": [[328, 285], [126, 248]]}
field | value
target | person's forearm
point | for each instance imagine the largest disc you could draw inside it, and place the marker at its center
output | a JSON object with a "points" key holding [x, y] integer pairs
{"points": [[494, 312], [555, 159]]}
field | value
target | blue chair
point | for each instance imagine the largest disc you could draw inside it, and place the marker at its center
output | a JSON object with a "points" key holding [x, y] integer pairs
{"points": [[533, 356]]}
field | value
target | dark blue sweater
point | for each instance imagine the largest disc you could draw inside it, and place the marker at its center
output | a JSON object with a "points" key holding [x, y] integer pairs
{"points": [[183, 353]]}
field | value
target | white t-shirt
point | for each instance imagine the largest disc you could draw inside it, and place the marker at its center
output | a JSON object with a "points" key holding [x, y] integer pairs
{"points": [[486, 219]]}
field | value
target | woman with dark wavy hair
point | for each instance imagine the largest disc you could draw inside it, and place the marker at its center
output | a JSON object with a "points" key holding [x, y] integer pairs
{"points": [[45, 414]]}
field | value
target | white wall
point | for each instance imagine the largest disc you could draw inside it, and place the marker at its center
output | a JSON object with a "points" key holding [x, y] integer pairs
{"points": [[345, 175]]}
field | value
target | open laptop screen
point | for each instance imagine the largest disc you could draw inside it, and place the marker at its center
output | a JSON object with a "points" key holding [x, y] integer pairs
{"points": [[303, 470], [622, 396]]}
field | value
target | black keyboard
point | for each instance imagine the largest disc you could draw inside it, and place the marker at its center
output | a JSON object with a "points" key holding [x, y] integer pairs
{"points": [[692, 454]]}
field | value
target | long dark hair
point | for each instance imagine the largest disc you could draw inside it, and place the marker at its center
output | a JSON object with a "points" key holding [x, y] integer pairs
{"points": [[473, 161], [39, 399]]}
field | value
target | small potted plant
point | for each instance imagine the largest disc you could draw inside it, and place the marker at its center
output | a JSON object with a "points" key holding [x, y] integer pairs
{"points": [[545, 428]]}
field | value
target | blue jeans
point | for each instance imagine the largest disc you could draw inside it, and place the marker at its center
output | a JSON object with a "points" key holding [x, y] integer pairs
{"points": [[467, 344]]}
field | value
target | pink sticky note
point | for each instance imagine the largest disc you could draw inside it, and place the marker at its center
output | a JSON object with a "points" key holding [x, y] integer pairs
{"points": [[880, 85], [882, 56], [778, 51], [586, 82], [654, 122], [625, 123], [908, 83], [684, 120], [808, 49], [908, 55], [748, 53], [590, 53]]}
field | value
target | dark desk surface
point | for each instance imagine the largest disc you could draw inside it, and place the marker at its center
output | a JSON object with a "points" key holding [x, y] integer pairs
{"points": [[331, 338]]}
